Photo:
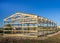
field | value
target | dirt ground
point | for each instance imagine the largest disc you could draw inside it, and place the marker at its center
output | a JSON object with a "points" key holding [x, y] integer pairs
{"points": [[52, 39]]}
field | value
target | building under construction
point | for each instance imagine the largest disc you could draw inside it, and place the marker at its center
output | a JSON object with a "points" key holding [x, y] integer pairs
{"points": [[28, 25]]}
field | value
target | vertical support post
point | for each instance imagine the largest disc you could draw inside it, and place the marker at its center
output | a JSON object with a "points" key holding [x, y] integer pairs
{"points": [[37, 26], [52, 26], [13, 25], [47, 26], [43, 26], [3, 26]]}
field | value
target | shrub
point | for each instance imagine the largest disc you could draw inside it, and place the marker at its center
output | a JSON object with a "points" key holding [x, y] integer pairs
{"points": [[8, 32]]}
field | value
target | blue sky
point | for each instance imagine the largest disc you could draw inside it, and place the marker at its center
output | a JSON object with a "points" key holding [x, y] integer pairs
{"points": [[47, 8]]}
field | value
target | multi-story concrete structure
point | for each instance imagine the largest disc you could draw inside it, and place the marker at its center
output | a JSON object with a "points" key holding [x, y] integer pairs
{"points": [[28, 24]]}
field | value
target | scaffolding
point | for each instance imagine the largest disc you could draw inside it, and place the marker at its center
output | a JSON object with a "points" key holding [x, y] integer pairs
{"points": [[28, 24]]}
